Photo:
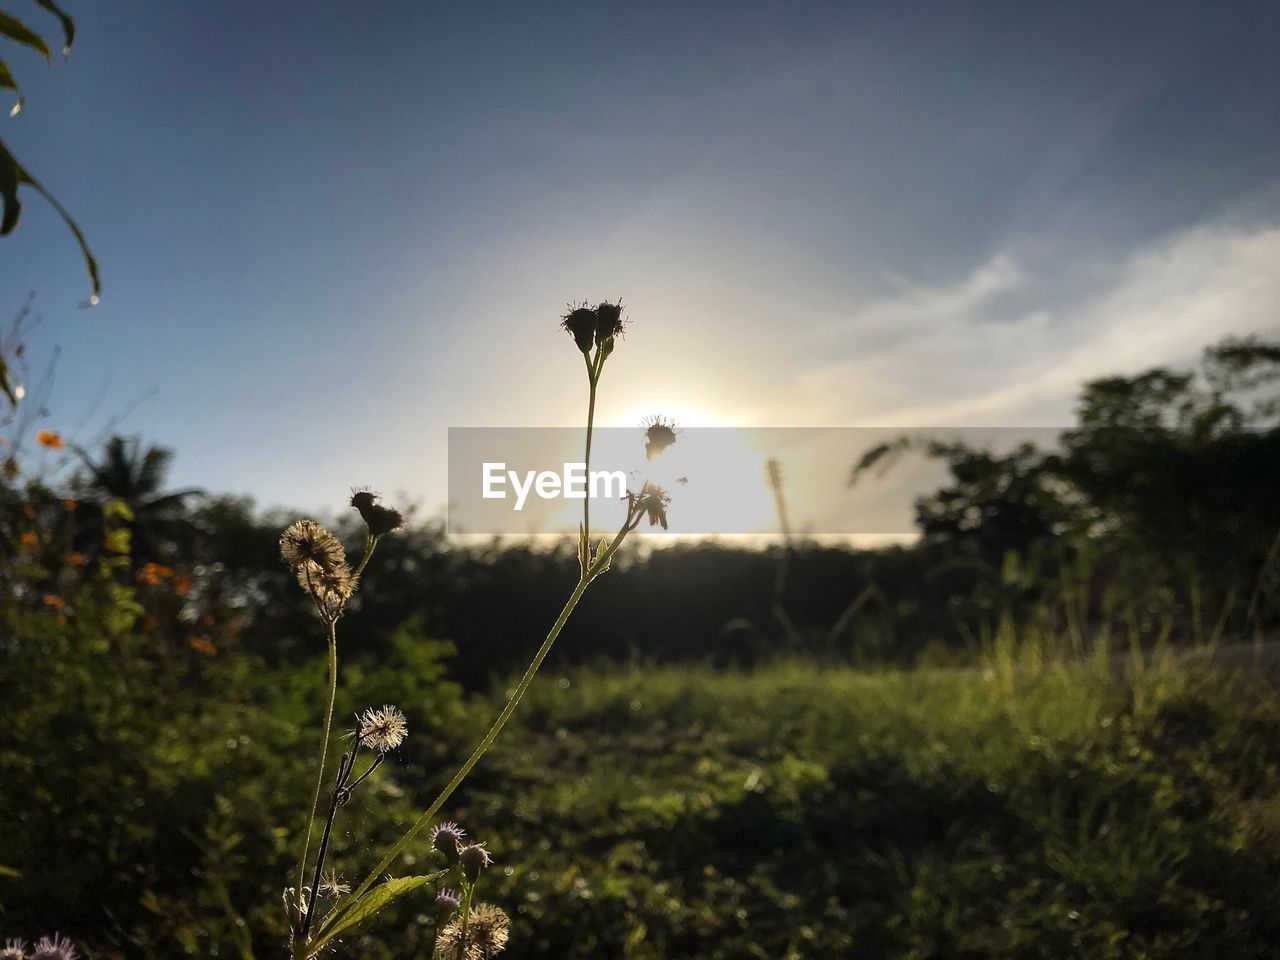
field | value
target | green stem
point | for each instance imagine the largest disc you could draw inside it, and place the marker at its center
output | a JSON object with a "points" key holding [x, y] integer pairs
{"points": [[370, 542], [593, 377], [423, 821], [332, 627], [466, 916]]}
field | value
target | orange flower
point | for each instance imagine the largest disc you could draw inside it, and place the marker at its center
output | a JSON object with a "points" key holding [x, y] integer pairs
{"points": [[28, 540], [182, 585], [70, 504], [47, 438], [76, 559], [52, 600], [153, 573], [202, 645]]}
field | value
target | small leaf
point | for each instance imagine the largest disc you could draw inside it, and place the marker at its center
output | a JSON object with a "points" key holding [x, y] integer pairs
{"points": [[7, 82], [68, 25], [19, 32], [345, 920]]}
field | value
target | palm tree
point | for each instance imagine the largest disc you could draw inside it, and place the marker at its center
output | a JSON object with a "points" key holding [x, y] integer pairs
{"points": [[135, 475]]}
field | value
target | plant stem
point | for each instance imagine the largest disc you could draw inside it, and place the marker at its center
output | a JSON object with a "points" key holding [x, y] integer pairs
{"points": [[344, 770], [370, 542], [483, 747], [332, 627], [466, 915], [593, 375]]}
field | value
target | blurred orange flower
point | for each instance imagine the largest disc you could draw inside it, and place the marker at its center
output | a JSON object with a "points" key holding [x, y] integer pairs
{"points": [[153, 573], [47, 438], [70, 504], [29, 511], [76, 559], [28, 540], [202, 645], [182, 585], [52, 600]]}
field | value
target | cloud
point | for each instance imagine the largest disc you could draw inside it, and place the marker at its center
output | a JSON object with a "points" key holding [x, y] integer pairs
{"points": [[960, 354]]}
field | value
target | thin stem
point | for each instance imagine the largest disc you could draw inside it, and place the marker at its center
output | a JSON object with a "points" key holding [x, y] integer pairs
{"points": [[358, 780], [370, 542], [466, 916], [332, 626], [344, 770], [423, 821], [593, 375]]}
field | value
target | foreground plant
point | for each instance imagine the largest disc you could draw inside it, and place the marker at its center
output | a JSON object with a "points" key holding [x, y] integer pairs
{"points": [[466, 929]]}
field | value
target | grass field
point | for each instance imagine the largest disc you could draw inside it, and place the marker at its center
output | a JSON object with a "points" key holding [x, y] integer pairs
{"points": [[807, 812]]}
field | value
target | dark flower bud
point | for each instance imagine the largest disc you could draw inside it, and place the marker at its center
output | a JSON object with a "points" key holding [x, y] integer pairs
{"points": [[652, 502], [447, 901], [581, 324], [446, 837], [474, 858], [379, 519], [658, 435], [608, 321]]}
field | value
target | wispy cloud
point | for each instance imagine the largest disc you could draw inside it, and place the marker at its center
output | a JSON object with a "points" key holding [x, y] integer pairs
{"points": [[1004, 346]]}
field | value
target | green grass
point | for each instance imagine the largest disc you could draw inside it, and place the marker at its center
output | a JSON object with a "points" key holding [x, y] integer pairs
{"points": [[807, 812]]}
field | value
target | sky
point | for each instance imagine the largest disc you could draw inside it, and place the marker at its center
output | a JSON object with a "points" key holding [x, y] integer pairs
{"points": [[329, 232]]}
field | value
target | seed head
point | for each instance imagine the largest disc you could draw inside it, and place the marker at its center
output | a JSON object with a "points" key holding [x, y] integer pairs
{"points": [[651, 501], [331, 588], [54, 948], [305, 541], [382, 730], [489, 928], [447, 837], [450, 944], [379, 519], [659, 433], [580, 321], [14, 950], [608, 321], [474, 858], [331, 886]]}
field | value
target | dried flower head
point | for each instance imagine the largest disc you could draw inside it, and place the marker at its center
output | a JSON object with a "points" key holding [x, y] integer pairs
{"points": [[659, 433], [331, 886], [474, 858], [580, 322], [652, 501], [14, 950], [379, 519], [448, 901], [331, 588], [54, 948], [451, 945], [382, 729], [489, 928], [447, 837], [305, 541], [608, 321]]}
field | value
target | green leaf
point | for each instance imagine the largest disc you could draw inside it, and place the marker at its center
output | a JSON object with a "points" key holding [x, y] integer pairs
{"points": [[19, 32], [7, 82], [345, 921], [12, 174], [68, 25]]}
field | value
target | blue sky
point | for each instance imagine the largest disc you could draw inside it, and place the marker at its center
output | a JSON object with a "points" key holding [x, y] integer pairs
{"points": [[328, 231]]}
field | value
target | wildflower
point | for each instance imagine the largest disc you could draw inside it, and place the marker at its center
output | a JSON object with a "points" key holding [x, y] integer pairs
{"points": [[608, 321], [379, 519], [489, 928], [383, 729], [14, 950], [202, 645], [331, 886], [652, 501], [448, 901], [659, 434], [52, 440], [474, 858], [447, 837], [580, 321], [332, 588], [54, 948], [305, 541], [450, 945]]}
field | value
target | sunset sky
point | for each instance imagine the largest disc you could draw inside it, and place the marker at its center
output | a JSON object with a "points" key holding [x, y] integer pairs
{"points": [[328, 232]]}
